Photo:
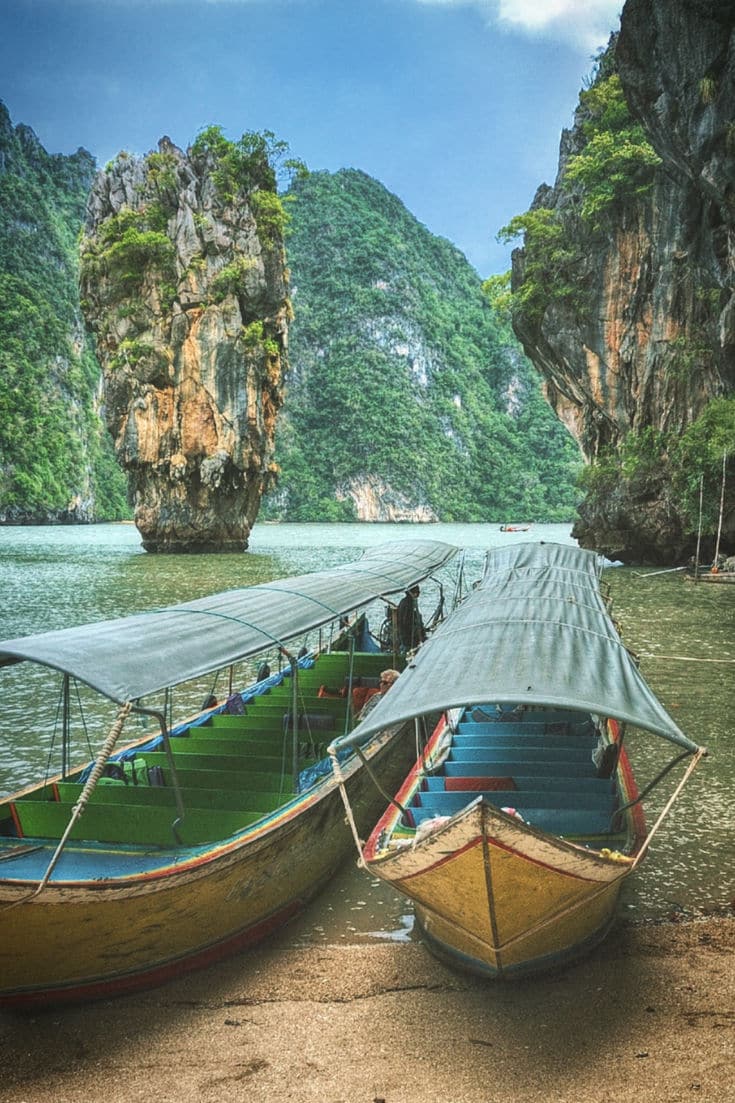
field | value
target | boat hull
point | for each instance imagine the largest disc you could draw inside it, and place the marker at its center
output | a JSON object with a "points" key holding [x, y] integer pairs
{"points": [[723, 578], [499, 899], [97, 939]]}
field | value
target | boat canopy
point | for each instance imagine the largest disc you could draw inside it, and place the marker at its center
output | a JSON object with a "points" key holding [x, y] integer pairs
{"points": [[535, 631], [134, 656]]}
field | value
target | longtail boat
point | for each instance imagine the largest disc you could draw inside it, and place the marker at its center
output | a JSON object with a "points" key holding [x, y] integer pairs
{"points": [[171, 851], [519, 822]]}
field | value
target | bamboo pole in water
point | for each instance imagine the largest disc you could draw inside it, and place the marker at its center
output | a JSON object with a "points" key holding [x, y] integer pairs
{"points": [[722, 508], [699, 528]]}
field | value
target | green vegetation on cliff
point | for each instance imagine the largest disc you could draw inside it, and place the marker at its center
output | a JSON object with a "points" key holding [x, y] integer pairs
{"points": [[616, 163], [56, 461], [651, 462], [405, 380], [256, 164]]}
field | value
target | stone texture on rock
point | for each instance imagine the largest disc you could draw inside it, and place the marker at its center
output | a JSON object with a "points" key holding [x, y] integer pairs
{"points": [[654, 341], [375, 500], [190, 319]]}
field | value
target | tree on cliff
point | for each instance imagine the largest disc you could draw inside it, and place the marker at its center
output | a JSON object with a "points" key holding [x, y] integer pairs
{"points": [[621, 293]]}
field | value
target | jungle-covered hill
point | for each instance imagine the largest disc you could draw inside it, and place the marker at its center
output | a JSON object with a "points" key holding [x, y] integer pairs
{"points": [[408, 396], [56, 459]]}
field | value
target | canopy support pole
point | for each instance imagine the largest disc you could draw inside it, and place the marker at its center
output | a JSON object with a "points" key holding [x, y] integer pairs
{"points": [[294, 664], [161, 718], [349, 714], [65, 728], [699, 528], [722, 508], [667, 808]]}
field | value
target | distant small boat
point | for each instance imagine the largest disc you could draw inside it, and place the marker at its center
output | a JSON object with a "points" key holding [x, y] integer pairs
{"points": [[520, 821], [514, 528], [710, 574]]}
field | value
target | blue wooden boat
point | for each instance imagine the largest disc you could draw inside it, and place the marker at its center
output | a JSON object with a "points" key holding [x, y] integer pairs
{"points": [[169, 852], [519, 822]]}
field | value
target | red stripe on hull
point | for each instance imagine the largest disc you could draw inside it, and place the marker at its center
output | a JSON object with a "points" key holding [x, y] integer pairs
{"points": [[161, 974]]}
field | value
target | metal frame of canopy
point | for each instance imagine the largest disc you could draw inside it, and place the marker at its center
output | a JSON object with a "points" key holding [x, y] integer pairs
{"points": [[131, 657], [536, 630]]}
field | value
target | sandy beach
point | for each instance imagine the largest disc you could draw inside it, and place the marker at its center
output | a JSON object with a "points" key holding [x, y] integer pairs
{"points": [[650, 1016]]}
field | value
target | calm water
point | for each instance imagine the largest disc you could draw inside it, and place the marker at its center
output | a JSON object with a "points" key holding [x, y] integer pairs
{"points": [[684, 634]]}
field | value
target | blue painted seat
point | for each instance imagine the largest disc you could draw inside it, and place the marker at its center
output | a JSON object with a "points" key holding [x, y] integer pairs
{"points": [[539, 716], [446, 804], [519, 753], [469, 737], [496, 728], [558, 821]]}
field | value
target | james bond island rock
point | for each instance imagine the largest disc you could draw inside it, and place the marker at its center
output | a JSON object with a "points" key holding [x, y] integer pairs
{"points": [[184, 286], [624, 291]]}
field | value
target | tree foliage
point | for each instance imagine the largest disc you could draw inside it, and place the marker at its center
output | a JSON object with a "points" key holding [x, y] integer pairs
{"points": [[551, 254], [698, 455], [617, 162], [688, 463], [256, 165]]}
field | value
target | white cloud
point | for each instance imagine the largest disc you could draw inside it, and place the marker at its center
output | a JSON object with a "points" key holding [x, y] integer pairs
{"points": [[584, 23]]}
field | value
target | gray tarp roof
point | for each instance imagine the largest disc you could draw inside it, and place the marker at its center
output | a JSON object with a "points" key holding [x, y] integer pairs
{"points": [[134, 656], [536, 630]]}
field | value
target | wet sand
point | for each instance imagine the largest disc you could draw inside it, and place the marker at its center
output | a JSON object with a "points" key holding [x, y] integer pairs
{"points": [[650, 1016]]}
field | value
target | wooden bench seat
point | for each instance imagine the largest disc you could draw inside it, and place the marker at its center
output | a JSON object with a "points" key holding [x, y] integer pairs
{"points": [[148, 826]]}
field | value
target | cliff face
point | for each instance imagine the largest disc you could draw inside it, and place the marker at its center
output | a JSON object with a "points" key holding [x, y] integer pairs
{"points": [[648, 339], [184, 287], [676, 59], [56, 463]]}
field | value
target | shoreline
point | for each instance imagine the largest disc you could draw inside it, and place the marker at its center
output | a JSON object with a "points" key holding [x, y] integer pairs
{"points": [[648, 1016]]}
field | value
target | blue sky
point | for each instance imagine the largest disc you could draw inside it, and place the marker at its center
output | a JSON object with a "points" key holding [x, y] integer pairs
{"points": [[457, 106]]}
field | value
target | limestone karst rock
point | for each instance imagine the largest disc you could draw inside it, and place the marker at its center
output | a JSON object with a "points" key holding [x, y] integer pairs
{"points": [[637, 333], [183, 283]]}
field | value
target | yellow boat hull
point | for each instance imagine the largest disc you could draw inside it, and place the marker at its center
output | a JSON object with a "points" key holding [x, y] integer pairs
{"points": [[497, 897]]}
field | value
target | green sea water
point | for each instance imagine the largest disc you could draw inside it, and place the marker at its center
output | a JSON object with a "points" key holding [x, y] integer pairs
{"points": [[684, 634]]}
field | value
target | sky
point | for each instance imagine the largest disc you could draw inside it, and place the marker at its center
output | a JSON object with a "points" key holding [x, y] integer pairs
{"points": [[456, 106]]}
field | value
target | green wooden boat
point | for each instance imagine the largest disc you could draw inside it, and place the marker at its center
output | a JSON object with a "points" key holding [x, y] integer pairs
{"points": [[169, 852]]}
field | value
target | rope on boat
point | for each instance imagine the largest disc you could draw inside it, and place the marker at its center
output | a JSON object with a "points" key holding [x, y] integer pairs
{"points": [[348, 809], [667, 808], [683, 658], [106, 751]]}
